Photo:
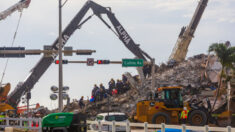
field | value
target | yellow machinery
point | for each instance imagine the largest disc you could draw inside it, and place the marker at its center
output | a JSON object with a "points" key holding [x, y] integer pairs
{"points": [[4, 107], [180, 50], [167, 108]]}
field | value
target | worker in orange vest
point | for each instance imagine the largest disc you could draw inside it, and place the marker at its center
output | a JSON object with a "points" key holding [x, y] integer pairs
{"points": [[184, 115]]}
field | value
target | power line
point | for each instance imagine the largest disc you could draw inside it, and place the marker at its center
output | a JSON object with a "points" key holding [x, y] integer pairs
{"points": [[12, 43]]}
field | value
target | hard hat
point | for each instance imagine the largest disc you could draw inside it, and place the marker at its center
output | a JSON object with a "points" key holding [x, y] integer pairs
{"points": [[185, 108]]}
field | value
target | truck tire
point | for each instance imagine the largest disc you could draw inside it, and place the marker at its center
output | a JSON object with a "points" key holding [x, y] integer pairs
{"points": [[197, 118], [161, 117]]}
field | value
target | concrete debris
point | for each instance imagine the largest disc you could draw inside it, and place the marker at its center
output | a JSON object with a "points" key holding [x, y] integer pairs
{"points": [[198, 76]]}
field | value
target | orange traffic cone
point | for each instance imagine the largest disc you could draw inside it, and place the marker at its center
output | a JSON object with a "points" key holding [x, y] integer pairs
{"points": [[37, 124]]}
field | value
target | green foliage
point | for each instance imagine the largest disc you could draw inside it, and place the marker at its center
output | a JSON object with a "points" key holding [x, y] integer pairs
{"points": [[226, 55]]}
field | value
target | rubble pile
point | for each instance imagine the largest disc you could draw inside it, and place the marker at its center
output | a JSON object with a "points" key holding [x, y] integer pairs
{"points": [[193, 75]]}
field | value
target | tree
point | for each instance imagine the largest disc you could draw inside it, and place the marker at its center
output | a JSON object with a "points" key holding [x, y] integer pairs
{"points": [[226, 56]]}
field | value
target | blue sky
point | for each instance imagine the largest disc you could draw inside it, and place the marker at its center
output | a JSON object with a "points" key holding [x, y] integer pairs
{"points": [[154, 24]]}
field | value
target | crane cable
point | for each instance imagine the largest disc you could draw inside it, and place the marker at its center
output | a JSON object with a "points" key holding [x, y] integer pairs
{"points": [[12, 43]]}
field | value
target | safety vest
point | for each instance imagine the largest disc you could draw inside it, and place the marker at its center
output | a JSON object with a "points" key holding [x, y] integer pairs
{"points": [[184, 114], [2, 116]]}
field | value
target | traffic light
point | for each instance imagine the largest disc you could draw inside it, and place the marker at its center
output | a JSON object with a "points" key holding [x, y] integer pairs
{"points": [[103, 61], [28, 96], [63, 61]]}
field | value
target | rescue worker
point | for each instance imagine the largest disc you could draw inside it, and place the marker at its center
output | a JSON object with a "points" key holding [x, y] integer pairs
{"points": [[94, 90], [119, 86], [124, 78], [111, 85], [184, 115], [81, 103], [102, 91], [2, 116]]}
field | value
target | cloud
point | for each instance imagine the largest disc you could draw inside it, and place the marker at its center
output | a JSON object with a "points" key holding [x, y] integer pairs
{"points": [[221, 12], [173, 5]]}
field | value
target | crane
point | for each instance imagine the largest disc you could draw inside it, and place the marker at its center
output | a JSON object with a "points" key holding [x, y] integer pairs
{"points": [[18, 6], [76, 23], [180, 50]]}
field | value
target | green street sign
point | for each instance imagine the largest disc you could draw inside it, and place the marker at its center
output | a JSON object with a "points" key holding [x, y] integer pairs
{"points": [[132, 62]]}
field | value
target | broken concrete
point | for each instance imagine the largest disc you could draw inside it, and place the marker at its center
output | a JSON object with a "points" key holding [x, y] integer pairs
{"points": [[197, 71]]}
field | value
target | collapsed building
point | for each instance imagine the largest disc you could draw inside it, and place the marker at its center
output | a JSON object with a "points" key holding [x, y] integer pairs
{"points": [[196, 75]]}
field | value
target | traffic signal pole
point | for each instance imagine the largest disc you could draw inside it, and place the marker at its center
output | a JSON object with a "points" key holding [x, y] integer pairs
{"points": [[111, 62], [38, 51], [60, 60]]}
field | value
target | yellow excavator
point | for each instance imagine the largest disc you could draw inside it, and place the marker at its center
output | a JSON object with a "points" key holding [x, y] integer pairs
{"points": [[4, 90], [180, 50]]}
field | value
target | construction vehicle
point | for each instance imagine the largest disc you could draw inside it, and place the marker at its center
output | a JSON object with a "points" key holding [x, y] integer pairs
{"points": [[166, 108], [23, 109], [65, 122], [16, 7], [23, 87], [168, 104], [4, 90], [180, 50]]}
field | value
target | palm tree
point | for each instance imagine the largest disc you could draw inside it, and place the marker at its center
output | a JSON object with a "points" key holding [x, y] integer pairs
{"points": [[226, 56]]}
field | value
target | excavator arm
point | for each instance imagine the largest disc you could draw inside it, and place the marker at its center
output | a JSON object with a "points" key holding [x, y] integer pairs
{"points": [[120, 31], [187, 33], [76, 23], [18, 6]]}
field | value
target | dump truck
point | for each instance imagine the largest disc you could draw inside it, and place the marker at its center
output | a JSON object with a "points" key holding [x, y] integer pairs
{"points": [[166, 108], [65, 122]]}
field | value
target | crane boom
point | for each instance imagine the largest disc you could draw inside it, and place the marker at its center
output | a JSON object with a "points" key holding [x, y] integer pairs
{"points": [[180, 50], [18, 6], [45, 62]]}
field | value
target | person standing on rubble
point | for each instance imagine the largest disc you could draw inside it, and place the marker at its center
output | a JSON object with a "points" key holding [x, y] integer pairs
{"points": [[124, 79], [184, 115], [119, 86], [93, 93], [81, 103], [102, 92], [94, 90], [111, 86]]}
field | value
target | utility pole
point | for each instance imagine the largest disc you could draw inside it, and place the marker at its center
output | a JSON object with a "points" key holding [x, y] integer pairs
{"points": [[60, 59]]}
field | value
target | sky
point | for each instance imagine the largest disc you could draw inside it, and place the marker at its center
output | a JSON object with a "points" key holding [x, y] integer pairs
{"points": [[154, 24]]}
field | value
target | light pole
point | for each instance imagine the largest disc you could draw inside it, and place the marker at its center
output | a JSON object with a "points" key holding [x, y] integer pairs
{"points": [[60, 59]]}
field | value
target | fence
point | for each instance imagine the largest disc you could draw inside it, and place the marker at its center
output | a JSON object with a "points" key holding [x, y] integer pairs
{"points": [[161, 127], [35, 124], [23, 123]]}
